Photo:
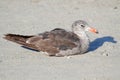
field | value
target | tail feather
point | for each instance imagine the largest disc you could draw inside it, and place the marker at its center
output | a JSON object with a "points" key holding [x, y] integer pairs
{"points": [[20, 39]]}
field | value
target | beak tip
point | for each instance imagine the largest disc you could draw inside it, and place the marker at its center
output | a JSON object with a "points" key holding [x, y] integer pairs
{"points": [[97, 32]]}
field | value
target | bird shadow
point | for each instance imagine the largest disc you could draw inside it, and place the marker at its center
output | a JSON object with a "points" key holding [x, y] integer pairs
{"points": [[99, 42], [29, 49]]}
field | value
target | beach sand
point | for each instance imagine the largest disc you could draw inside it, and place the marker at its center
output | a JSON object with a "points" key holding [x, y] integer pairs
{"points": [[102, 62]]}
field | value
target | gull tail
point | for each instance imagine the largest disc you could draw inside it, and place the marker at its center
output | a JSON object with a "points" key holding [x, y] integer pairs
{"points": [[20, 39]]}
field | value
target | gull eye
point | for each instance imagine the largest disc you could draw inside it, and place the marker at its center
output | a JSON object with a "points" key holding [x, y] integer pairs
{"points": [[82, 26]]}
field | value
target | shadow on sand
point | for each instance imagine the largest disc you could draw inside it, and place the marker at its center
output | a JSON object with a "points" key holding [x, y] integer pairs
{"points": [[30, 49], [99, 42]]}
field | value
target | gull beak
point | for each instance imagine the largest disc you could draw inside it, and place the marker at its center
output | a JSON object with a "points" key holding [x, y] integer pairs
{"points": [[91, 29]]}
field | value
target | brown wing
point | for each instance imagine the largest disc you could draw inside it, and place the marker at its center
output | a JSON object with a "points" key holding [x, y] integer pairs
{"points": [[51, 42], [54, 41]]}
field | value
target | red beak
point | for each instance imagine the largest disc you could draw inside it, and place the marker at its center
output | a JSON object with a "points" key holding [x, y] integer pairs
{"points": [[93, 30]]}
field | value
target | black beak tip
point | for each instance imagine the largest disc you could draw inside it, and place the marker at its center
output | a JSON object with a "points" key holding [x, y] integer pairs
{"points": [[97, 32]]}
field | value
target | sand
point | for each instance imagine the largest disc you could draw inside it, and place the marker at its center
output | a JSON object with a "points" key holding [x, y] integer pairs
{"points": [[102, 62]]}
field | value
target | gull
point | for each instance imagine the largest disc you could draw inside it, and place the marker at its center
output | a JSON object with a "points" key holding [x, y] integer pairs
{"points": [[57, 42]]}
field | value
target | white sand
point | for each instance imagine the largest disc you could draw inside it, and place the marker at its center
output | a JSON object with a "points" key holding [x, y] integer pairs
{"points": [[36, 16]]}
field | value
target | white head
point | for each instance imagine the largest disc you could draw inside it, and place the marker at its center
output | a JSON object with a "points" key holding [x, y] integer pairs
{"points": [[79, 28], [82, 26]]}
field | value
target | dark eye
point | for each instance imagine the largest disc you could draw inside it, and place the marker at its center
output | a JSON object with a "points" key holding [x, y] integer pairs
{"points": [[82, 26]]}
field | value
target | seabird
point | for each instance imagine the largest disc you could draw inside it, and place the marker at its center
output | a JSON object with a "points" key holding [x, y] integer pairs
{"points": [[57, 42]]}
